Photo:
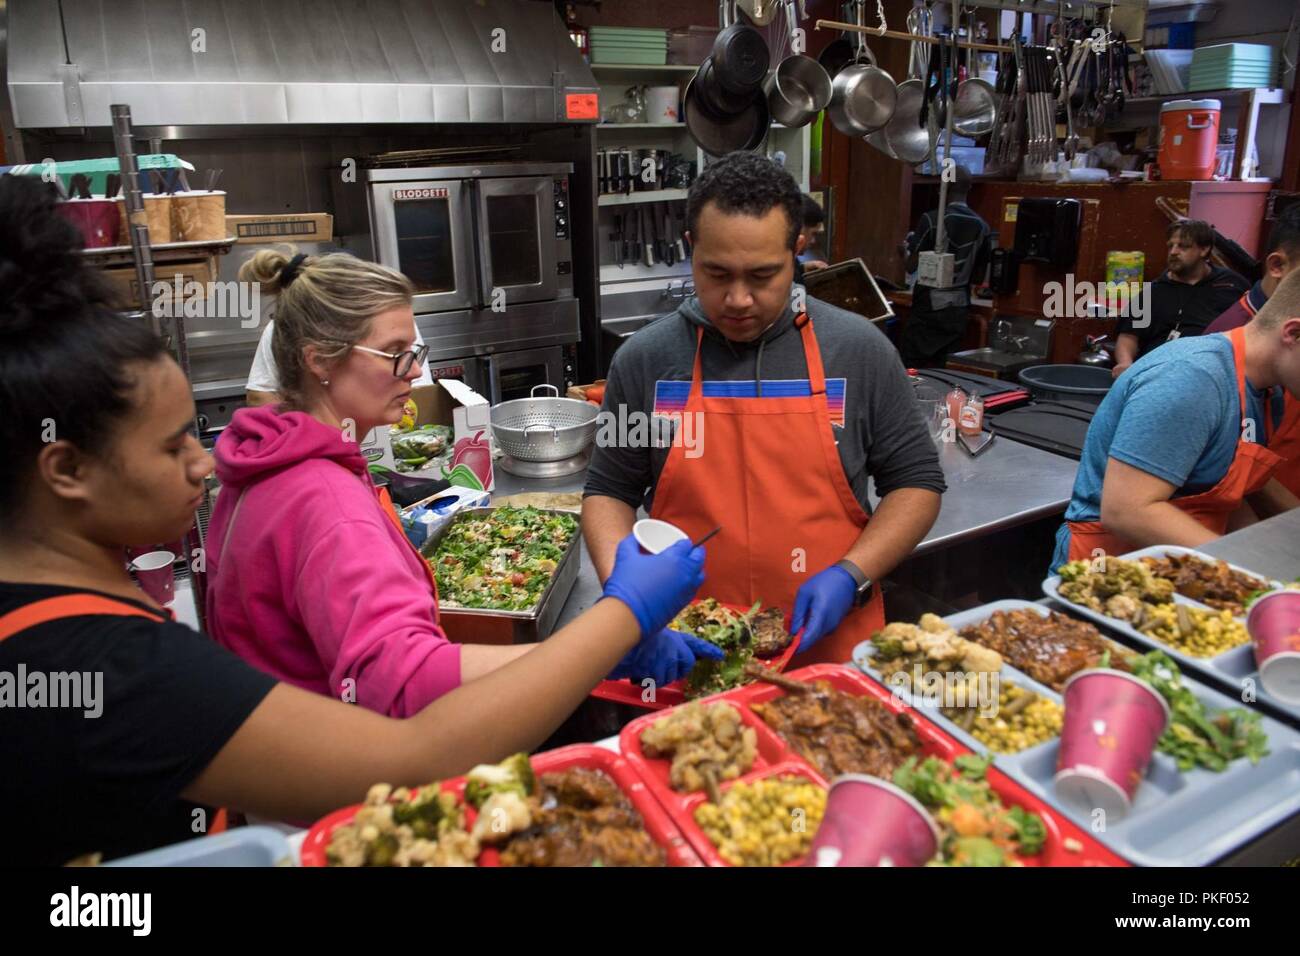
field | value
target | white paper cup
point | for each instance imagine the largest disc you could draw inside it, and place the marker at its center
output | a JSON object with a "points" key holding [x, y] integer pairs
{"points": [[655, 536]]}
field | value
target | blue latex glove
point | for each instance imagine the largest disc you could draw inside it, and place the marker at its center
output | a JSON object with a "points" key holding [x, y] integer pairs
{"points": [[664, 657], [821, 603], [655, 586]]}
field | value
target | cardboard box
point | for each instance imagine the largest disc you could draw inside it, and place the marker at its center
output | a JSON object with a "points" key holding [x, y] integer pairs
{"points": [[281, 227], [450, 401], [126, 288]]}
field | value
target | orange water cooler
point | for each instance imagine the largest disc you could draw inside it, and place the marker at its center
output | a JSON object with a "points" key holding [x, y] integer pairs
{"points": [[1189, 139]]}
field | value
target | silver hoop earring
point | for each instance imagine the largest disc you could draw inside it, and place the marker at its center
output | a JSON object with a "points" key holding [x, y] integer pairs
{"points": [[325, 382]]}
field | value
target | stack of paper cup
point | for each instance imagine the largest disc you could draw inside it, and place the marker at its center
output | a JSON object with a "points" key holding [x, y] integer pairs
{"points": [[199, 216]]}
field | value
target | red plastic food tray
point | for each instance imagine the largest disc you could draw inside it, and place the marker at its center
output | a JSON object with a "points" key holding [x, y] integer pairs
{"points": [[670, 695], [657, 822], [776, 758]]}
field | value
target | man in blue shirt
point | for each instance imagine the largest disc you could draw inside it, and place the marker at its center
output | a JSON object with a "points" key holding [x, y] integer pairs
{"points": [[1171, 455]]}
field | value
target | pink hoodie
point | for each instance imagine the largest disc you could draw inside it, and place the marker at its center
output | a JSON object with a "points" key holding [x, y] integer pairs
{"points": [[316, 585]]}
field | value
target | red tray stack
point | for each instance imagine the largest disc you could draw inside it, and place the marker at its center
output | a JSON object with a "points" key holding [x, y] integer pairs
{"points": [[776, 758], [670, 695], [657, 821]]}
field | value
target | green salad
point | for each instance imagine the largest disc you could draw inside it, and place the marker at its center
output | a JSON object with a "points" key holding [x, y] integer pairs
{"points": [[503, 560]]}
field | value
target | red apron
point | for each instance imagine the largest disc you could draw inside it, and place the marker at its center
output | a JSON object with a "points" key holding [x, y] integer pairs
{"points": [[770, 475], [1253, 464]]}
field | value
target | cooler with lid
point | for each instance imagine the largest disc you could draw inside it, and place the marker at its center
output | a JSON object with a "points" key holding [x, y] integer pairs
{"points": [[1189, 139]]}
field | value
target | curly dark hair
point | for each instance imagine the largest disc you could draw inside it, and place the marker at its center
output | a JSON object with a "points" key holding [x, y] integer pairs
{"points": [[66, 355], [742, 182]]}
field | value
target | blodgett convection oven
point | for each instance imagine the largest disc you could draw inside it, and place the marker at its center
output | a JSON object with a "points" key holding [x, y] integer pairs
{"points": [[488, 248]]}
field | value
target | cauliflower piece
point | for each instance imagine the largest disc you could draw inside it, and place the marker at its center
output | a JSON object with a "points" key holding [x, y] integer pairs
{"points": [[1123, 607], [501, 815], [981, 659], [933, 624]]}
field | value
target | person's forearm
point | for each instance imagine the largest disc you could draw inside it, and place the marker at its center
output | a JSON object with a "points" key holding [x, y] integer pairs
{"points": [[901, 520], [1126, 349], [458, 729], [476, 660], [605, 522], [1158, 522], [1273, 499]]}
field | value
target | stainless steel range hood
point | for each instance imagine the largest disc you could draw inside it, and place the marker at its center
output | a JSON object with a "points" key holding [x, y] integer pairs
{"points": [[219, 62]]}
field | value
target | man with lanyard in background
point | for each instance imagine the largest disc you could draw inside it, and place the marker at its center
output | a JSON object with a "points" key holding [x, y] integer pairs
{"points": [[1190, 434], [766, 429], [938, 319], [1190, 295]]}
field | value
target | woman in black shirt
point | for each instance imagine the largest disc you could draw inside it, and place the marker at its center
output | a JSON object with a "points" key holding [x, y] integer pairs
{"points": [[119, 728]]}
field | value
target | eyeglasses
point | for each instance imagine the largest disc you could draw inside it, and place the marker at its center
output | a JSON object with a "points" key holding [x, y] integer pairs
{"points": [[402, 361]]}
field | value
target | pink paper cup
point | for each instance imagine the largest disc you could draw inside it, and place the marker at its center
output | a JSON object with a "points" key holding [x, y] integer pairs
{"points": [[1112, 723], [1274, 627], [871, 822], [155, 574]]}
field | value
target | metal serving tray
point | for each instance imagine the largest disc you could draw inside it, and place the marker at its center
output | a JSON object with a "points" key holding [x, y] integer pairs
{"points": [[472, 625], [1233, 671], [1178, 818]]}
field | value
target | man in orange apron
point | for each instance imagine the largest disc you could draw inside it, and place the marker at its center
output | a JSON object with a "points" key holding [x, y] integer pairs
{"points": [[1188, 435], [770, 412]]}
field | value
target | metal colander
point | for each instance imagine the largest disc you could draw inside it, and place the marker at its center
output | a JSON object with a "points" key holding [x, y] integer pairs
{"points": [[544, 429]]}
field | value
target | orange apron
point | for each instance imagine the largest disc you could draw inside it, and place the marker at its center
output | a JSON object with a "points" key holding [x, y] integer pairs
{"points": [[770, 475], [84, 605], [390, 511], [1285, 441], [1253, 464]]}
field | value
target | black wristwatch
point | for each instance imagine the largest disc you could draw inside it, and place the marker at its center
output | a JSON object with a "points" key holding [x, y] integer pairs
{"points": [[865, 585]]}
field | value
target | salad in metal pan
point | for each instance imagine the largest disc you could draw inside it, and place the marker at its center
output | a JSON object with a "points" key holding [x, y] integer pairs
{"points": [[501, 561]]}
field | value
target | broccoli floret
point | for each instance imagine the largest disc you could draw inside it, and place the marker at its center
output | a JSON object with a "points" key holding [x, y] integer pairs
{"points": [[424, 811], [512, 775]]}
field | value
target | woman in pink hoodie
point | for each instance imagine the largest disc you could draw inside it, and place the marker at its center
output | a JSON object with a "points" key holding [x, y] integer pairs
{"points": [[310, 579]]}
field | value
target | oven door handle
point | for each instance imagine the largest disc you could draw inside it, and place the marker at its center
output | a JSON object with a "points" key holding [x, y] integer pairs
{"points": [[480, 249]]}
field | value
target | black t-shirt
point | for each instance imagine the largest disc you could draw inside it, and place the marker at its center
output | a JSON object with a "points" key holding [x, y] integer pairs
{"points": [[1185, 307], [168, 700]]}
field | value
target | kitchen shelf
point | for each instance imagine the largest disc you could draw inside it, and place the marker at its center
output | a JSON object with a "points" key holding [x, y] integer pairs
{"points": [[1267, 96], [650, 195], [681, 126], [644, 68]]}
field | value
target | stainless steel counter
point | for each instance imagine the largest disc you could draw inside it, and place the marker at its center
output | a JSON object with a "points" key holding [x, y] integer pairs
{"points": [[1271, 547], [1010, 484]]}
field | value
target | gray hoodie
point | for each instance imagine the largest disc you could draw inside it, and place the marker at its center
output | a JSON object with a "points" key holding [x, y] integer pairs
{"points": [[880, 432]]}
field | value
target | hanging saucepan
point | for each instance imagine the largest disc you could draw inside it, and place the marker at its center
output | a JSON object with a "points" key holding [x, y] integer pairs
{"points": [[719, 135], [799, 88], [740, 57], [838, 54], [975, 108], [905, 137], [863, 96]]}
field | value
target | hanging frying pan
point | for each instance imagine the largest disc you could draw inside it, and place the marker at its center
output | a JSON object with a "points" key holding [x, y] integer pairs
{"points": [[740, 57], [719, 135]]}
